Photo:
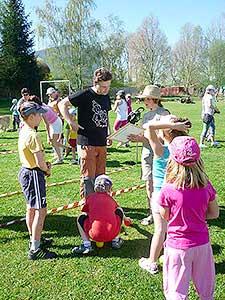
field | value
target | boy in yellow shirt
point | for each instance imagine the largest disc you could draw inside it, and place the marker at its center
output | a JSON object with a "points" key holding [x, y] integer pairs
{"points": [[32, 177]]}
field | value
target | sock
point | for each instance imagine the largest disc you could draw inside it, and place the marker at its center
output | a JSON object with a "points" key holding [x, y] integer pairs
{"points": [[34, 245], [116, 239], [87, 244]]}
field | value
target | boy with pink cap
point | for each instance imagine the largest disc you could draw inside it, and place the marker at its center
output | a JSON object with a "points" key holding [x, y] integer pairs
{"points": [[187, 200]]}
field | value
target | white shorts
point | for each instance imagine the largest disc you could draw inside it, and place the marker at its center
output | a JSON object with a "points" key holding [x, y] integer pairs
{"points": [[154, 202], [56, 127]]}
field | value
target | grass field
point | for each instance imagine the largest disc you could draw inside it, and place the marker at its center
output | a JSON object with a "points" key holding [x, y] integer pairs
{"points": [[106, 274]]}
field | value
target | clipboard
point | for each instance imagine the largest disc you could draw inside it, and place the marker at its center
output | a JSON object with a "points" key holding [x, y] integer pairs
{"points": [[122, 134]]}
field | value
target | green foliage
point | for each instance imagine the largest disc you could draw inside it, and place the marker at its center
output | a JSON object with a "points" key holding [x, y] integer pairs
{"points": [[106, 274], [18, 62]]}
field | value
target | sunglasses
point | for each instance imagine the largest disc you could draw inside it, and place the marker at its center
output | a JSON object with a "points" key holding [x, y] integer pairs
{"points": [[26, 94]]}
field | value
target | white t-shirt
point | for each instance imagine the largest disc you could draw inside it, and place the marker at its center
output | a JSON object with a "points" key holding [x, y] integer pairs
{"points": [[207, 101], [121, 111]]}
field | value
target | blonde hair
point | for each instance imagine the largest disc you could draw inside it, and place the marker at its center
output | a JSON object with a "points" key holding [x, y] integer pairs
{"points": [[186, 176]]}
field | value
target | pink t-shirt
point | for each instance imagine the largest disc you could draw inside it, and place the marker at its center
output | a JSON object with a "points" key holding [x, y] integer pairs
{"points": [[187, 225], [50, 116]]}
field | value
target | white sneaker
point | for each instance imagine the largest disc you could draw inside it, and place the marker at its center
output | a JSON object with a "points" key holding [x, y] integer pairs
{"points": [[215, 143], [202, 146], [146, 265]]}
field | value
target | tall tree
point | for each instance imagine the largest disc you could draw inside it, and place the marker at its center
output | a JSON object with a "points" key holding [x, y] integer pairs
{"points": [[191, 56], [18, 63], [72, 36], [149, 53], [113, 50]]}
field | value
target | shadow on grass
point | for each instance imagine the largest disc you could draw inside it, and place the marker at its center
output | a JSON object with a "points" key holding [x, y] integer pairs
{"points": [[220, 221], [8, 138], [220, 268]]}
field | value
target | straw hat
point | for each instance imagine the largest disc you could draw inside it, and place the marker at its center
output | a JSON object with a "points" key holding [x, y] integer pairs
{"points": [[151, 91]]}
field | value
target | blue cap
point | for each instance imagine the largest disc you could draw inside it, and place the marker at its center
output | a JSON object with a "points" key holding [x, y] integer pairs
{"points": [[29, 108]]}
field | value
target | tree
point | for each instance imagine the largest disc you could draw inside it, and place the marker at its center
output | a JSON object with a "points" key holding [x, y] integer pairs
{"points": [[149, 53], [73, 40], [18, 62], [113, 52], [191, 56], [217, 62]]}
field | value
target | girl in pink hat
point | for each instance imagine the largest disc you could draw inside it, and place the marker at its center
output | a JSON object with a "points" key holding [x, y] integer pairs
{"points": [[187, 200]]}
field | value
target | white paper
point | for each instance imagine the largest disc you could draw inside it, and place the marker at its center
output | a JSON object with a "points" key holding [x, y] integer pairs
{"points": [[122, 134]]}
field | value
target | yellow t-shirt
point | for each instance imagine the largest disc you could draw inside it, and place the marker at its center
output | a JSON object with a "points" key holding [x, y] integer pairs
{"points": [[29, 143]]}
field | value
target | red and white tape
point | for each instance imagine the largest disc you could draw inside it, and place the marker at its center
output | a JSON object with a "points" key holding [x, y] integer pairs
{"points": [[74, 204], [8, 152], [10, 194]]}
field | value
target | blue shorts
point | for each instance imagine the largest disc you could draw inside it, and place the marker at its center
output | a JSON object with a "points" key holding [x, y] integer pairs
{"points": [[33, 185]]}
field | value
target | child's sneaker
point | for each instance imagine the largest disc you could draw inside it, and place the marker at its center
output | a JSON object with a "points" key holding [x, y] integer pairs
{"points": [[74, 162], [41, 254], [117, 244], [82, 249], [148, 220], [58, 162], [146, 265], [202, 146]]}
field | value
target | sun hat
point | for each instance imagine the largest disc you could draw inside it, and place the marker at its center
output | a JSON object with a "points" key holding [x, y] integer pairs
{"points": [[120, 93], [50, 91], [72, 111], [210, 88], [151, 91], [102, 184], [31, 108], [184, 150]]}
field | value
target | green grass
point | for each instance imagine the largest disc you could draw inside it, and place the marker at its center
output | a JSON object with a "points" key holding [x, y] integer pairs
{"points": [[106, 274]]}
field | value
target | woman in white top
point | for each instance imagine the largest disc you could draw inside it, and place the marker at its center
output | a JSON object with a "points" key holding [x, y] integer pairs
{"points": [[208, 110], [120, 107]]}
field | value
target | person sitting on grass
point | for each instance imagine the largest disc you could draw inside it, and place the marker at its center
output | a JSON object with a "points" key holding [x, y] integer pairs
{"points": [[101, 219], [32, 178]]}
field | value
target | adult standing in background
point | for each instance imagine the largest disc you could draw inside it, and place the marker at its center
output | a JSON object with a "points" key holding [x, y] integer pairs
{"points": [[25, 93], [208, 110], [93, 105], [53, 99], [152, 101]]}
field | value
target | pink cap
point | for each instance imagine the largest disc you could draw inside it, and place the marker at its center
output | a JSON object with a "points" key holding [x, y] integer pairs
{"points": [[184, 150]]}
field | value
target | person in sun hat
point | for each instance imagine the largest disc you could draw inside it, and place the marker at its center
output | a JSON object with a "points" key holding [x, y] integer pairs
{"points": [[101, 219], [32, 178], [187, 200], [152, 101]]}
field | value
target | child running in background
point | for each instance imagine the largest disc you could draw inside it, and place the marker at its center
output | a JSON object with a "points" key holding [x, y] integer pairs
{"points": [[15, 115], [171, 127], [187, 200], [101, 219], [31, 176], [71, 136]]}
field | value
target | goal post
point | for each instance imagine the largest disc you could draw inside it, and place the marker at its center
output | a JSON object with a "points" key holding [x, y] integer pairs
{"points": [[53, 81]]}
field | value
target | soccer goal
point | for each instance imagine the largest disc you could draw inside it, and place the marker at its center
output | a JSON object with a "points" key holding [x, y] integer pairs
{"points": [[58, 82]]}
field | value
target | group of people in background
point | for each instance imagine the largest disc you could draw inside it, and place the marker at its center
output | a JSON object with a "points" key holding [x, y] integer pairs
{"points": [[179, 193]]}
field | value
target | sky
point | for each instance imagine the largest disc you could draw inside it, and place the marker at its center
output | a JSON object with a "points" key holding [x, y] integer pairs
{"points": [[172, 14]]}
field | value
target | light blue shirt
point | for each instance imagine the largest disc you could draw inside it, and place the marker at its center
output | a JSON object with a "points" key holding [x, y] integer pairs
{"points": [[159, 169]]}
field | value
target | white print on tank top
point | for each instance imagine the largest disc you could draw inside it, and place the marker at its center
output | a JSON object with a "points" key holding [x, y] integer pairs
{"points": [[100, 116]]}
